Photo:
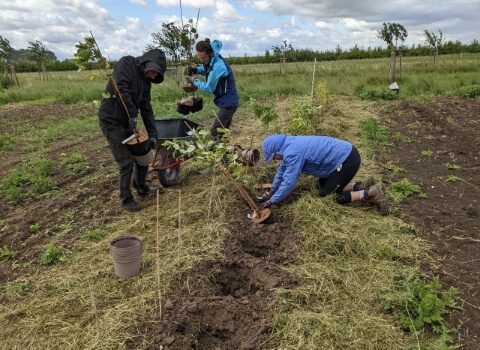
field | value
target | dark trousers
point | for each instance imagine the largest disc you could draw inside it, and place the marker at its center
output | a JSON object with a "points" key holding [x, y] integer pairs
{"points": [[336, 181], [126, 163], [223, 119]]}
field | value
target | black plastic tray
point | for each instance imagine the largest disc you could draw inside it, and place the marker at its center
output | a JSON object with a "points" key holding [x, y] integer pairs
{"points": [[174, 128]]}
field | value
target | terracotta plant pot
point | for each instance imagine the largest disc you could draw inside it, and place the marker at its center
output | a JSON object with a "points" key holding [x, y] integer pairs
{"points": [[126, 252]]}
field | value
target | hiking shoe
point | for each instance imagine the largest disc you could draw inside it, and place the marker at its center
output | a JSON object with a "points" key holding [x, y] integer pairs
{"points": [[131, 205], [364, 184], [375, 195], [146, 191]]}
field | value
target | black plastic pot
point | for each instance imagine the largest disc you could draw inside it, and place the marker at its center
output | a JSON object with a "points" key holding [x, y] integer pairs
{"points": [[183, 109], [197, 104]]}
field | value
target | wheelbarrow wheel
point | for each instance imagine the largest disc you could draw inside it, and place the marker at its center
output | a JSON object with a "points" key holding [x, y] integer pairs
{"points": [[169, 177]]}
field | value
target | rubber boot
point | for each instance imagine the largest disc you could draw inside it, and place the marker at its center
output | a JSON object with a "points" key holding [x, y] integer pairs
{"points": [[139, 181], [374, 194], [131, 205]]}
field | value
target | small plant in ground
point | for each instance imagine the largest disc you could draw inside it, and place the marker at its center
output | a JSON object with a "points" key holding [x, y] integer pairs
{"points": [[372, 133], [452, 178], [321, 93], [395, 169], [93, 235], [415, 125], [52, 254], [34, 227], [301, 120], [420, 304], [74, 163], [427, 153], [15, 288], [452, 166], [265, 112], [6, 254], [401, 137], [398, 191]]}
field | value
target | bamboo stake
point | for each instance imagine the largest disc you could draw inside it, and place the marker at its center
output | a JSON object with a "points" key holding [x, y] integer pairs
{"points": [[179, 242], [210, 202], [157, 257], [95, 311], [313, 75]]}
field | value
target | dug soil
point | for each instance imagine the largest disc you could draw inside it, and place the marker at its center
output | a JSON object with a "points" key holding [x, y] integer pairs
{"points": [[450, 215], [74, 207], [227, 303]]}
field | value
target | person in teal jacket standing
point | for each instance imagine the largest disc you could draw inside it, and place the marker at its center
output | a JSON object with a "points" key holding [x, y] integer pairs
{"points": [[335, 162], [219, 80]]}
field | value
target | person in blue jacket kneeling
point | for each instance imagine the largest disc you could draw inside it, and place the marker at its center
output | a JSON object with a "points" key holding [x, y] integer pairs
{"points": [[219, 80], [335, 162]]}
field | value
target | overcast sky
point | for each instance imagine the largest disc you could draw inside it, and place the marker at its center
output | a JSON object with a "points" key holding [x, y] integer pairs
{"points": [[245, 27]]}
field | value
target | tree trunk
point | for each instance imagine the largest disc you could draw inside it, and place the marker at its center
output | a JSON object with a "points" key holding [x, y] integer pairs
{"points": [[393, 63], [5, 69], [14, 74]]}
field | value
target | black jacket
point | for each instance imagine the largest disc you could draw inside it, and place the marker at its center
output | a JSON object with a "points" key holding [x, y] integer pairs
{"points": [[129, 75]]}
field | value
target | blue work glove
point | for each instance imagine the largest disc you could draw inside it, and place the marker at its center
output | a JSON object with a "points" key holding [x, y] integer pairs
{"points": [[152, 142], [132, 123], [191, 79]]}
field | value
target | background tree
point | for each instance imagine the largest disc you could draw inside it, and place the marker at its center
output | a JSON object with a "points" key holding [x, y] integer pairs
{"points": [[434, 42], [281, 52], [177, 41], [6, 52], [38, 53], [392, 34]]}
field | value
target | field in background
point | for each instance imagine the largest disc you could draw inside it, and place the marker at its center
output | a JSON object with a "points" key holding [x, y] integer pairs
{"points": [[357, 270]]}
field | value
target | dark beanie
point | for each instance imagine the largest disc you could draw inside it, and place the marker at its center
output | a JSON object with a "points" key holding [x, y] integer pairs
{"points": [[155, 67]]}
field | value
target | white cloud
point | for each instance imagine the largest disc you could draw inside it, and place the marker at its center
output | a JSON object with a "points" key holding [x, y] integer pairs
{"points": [[187, 3], [139, 2], [274, 33], [355, 25], [224, 11], [292, 21], [323, 25]]}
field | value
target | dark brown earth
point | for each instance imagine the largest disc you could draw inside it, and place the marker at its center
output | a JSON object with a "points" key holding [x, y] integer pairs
{"points": [[450, 216], [74, 207], [228, 302]]}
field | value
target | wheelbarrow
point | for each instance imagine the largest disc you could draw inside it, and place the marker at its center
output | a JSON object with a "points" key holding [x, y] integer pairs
{"points": [[168, 167]]}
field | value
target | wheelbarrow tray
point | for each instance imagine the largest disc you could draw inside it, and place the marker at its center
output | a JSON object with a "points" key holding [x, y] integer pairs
{"points": [[174, 128]]}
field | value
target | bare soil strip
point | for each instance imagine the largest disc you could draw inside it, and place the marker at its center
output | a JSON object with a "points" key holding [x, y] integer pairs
{"points": [[227, 303], [449, 217]]}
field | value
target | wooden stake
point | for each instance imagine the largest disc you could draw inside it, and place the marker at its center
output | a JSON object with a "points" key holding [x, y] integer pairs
{"points": [[97, 317], [179, 242], [313, 75], [157, 257]]}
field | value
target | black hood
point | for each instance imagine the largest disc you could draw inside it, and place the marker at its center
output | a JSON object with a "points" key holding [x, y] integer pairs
{"points": [[155, 60]]}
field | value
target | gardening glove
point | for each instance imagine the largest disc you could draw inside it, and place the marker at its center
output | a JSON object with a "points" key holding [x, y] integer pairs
{"points": [[132, 123], [265, 204], [152, 142], [189, 71], [191, 79]]}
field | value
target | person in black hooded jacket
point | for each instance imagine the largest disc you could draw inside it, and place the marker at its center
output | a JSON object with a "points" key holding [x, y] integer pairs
{"points": [[133, 78]]}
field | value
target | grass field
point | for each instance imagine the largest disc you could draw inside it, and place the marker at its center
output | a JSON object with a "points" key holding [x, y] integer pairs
{"points": [[359, 272]]}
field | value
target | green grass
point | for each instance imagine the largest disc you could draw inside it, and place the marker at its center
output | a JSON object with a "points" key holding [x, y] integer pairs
{"points": [[52, 254], [426, 153], [398, 191], [6, 254], [373, 134], [453, 178], [94, 234], [73, 164], [32, 179], [452, 166]]}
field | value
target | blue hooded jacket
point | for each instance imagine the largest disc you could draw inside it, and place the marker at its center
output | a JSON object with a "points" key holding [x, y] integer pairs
{"points": [[219, 79], [313, 155]]}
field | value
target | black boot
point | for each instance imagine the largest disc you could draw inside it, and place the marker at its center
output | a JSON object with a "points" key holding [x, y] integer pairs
{"points": [[131, 205], [139, 178]]}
